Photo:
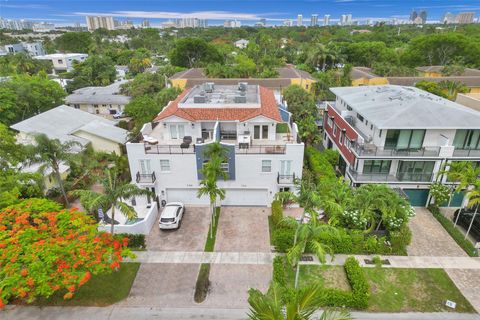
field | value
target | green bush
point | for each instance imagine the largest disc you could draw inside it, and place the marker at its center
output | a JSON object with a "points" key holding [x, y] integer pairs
{"points": [[339, 240], [321, 163], [456, 234], [279, 275], [135, 241], [399, 240], [371, 245], [283, 239], [358, 282], [37, 205], [277, 212]]}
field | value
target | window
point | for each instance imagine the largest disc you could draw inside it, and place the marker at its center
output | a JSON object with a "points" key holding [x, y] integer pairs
{"points": [[349, 143], [377, 166], [260, 132], [404, 139], [380, 133], [371, 127], [349, 108], [60, 61], [145, 167], [165, 165], [286, 167], [266, 165], [467, 139], [330, 122], [359, 116], [177, 131], [76, 106], [225, 167], [415, 170], [342, 136], [95, 105], [335, 128], [366, 122]]}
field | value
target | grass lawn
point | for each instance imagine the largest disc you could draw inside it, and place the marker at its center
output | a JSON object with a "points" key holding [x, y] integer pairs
{"points": [[393, 290], [100, 290]]}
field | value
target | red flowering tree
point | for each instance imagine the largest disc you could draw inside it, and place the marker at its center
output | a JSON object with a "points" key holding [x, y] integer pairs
{"points": [[43, 252]]}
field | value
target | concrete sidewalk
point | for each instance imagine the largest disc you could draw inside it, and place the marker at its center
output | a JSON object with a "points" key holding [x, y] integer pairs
{"points": [[267, 258], [144, 313]]}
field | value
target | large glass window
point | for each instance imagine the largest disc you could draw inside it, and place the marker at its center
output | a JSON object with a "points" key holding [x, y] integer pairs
{"points": [[415, 170], [404, 139], [177, 131], [467, 139], [377, 166]]}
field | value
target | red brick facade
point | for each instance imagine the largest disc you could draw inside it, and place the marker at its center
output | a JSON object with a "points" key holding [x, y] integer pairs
{"points": [[342, 126]]}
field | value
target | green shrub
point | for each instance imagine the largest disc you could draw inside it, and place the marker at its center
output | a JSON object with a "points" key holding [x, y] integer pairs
{"points": [[279, 275], [277, 212], [400, 239], [321, 163], [358, 282], [371, 245], [456, 234], [135, 241], [37, 205], [339, 240], [283, 239]]}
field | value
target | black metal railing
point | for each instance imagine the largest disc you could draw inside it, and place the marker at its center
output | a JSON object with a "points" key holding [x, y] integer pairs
{"points": [[169, 149], [228, 135], [283, 178], [466, 152], [372, 150], [261, 149], [146, 177]]}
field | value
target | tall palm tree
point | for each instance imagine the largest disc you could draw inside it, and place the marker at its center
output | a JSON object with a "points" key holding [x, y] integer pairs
{"points": [[473, 196], [301, 304], [50, 154], [114, 195]]}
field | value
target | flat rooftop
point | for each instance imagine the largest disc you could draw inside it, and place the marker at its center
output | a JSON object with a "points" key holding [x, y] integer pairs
{"points": [[211, 95], [398, 107]]}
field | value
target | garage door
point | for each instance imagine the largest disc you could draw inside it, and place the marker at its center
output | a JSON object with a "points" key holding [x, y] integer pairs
{"points": [[417, 197], [187, 196], [246, 197], [457, 200]]}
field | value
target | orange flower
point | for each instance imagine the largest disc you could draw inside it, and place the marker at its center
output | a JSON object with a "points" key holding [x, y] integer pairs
{"points": [[68, 295], [24, 272], [30, 281], [125, 241], [3, 245], [115, 265], [71, 288], [116, 245], [85, 278], [2, 305]]}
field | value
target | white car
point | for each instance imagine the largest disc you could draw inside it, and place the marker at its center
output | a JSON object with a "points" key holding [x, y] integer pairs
{"points": [[171, 216]]}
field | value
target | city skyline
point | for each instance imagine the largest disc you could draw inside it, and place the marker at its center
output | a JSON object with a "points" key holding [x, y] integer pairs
{"points": [[249, 12]]}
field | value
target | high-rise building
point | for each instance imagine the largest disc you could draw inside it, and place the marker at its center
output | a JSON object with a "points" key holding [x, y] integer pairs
{"points": [[191, 23], [413, 15], [465, 17], [449, 18], [288, 23], [423, 16], [232, 23], [326, 20], [314, 20], [43, 27], [300, 20], [100, 22], [346, 20], [145, 24]]}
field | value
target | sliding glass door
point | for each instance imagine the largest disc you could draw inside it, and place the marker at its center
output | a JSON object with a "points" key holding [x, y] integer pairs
{"points": [[404, 139], [415, 170]]}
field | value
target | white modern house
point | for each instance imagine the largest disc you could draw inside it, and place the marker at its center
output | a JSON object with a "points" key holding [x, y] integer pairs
{"points": [[265, 154], [401, 136], [242, 43], [63, 61], [31, 48], [103, 101]]}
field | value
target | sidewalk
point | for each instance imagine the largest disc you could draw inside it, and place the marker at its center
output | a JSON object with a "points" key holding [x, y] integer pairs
{"points": [[143, 313], [267, 258]]}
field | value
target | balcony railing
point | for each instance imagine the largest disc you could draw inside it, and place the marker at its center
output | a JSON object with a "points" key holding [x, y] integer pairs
{"points": [[259, 149], [168, 149], [146, 177], [414, 177], [466, 153], [374, 151], [285, 179], [228, 135], [387, 177]]}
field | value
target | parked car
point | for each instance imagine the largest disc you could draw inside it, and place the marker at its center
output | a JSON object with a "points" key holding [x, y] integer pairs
{"points": [[466, 218], [119, 115], [171, 216]]}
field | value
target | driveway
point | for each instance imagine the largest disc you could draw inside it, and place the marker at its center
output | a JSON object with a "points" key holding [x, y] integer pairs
{"points": [[243, 229], [468, 282], [429, 238], [190, 237], [163, 285]]}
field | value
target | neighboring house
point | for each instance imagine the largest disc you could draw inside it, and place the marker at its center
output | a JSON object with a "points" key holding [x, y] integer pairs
{"points": [[362, 76], [49, 178], [400, 136], [63, 61], [169, 155], [69, 124], [242, 43], [471, 100], [287, 75], [103, 101], [32, 48], [121, 72]]}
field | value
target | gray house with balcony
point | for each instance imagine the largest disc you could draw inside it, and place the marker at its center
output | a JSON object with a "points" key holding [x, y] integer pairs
{"points": [[401, 136]]}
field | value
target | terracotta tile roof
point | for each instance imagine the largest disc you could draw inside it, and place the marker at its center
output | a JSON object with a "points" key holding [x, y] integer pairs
{"points": [[269, 109]]}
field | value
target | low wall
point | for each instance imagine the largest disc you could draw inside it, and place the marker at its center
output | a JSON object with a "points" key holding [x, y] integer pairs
{"points": [[140, 227]]}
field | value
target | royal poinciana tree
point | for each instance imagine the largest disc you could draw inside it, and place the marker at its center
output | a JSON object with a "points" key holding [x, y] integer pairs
{"points": [[42, 252]]}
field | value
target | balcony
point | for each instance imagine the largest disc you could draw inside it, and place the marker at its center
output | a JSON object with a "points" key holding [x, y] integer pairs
{"points": [[414, 177], [387, 177], [370, 150], [285, 179], [145, 177], [261, 149], [168, 149], [468, 153]]}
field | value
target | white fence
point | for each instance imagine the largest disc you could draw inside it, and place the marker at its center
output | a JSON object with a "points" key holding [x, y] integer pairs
{"points": [[141, 227]]}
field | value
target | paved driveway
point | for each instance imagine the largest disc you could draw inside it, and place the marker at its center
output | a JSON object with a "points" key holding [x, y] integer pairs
{"points": [[190, 237], [468, 282], [243, 229], [429, 238]]}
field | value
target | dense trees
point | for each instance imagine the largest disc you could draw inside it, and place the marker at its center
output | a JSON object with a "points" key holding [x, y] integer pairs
{"points": [[194, 52], [75, 42], [94, 71], [22, 63]]}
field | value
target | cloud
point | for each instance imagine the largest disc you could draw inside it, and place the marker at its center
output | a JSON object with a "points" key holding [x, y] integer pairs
{"points": [[212, 15]]}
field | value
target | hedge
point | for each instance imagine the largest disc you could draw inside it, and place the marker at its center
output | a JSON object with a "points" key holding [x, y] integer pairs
{"points": [[322, 164], [277, 212], [279, 271], [456, 234], [135, 241]]}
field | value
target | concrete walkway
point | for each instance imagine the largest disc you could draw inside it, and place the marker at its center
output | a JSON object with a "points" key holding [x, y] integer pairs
{"points": [[143, 313], [267, 258]]}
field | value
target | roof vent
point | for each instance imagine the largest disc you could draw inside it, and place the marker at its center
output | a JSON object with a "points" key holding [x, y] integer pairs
{"points": [[242, 86], [209, 87]]}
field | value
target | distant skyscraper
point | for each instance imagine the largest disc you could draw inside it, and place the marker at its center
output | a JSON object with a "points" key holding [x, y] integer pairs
{"points": [[465, 17], [191, 23], [413, 15], [288, 23], [448, 18], [98, 22], [346, 20], [423, 16], [232, 24], [314, 20], [145, 24], [326, 20], [300, 20]]}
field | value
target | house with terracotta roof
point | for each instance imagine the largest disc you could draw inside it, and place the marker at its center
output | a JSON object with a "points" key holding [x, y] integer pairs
{"points": [[265, 154]]}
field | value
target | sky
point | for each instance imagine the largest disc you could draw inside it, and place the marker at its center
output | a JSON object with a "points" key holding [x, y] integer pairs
{"points": [[64, 12]]}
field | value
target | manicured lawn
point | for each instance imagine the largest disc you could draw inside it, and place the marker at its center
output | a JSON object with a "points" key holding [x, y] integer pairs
{"points": [[210, 244], [394, 290], [100, 290]]}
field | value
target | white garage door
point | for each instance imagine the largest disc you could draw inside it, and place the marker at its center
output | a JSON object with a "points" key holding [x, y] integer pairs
{"points": [[246, 197], [186, 196]]}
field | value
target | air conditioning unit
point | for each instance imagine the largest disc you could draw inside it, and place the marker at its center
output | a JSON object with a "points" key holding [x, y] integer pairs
{"points": [[242, 86], [199, 99], [209, 87], [240, 99]]}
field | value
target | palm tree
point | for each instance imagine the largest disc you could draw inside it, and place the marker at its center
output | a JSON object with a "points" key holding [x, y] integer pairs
{"points": [[114, 195], [301, 304], [473, 197], [210, 188], [452, 88], [51, 153]]}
